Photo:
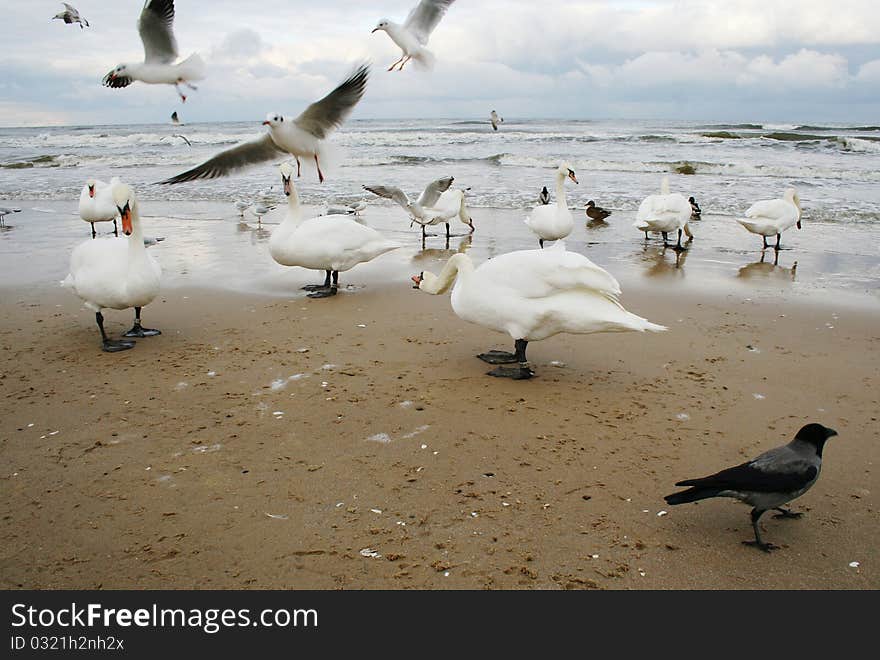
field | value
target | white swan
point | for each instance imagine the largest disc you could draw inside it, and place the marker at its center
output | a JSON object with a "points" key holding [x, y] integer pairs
{"points": [[96, 203], [330, 243], [773, 216], [532, 295], [116, 273], [664, 213], [552, 222]]}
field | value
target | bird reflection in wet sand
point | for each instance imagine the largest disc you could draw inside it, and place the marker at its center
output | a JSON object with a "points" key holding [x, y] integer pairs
{"points": [[763, 269], [660, 265], [426, 255]]}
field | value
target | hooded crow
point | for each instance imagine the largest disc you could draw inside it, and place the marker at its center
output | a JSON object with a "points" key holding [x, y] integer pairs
{"points": [[766, 482]]}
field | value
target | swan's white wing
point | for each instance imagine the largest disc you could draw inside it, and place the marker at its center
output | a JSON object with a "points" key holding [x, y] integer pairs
{"points": [[226, 162], [424, 18], [433, 191], [323, 116], [770, 208], [390, 192], [540, 273], [155, 27]]}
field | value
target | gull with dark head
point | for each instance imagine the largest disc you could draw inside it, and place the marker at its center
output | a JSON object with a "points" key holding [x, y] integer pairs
{"points": [[412, 35], [300, 137], [160, 51], [71, 15]]}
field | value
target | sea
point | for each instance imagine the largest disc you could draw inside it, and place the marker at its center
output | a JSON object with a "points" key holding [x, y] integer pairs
{"points": [[725, 166]]}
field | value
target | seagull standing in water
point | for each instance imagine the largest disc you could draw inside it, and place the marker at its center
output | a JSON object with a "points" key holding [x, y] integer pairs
{"points": [[71, 15], [300, 137], [160, 51], [412, 36]]}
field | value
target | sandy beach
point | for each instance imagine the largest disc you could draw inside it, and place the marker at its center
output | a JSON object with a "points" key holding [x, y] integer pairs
{"points": [[266, 440]]}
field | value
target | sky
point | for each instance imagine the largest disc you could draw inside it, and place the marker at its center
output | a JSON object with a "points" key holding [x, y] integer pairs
{"points": [[731, 60]]}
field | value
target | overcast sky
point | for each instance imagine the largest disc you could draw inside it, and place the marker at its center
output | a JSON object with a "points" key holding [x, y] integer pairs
{"points": [[725, 60]]}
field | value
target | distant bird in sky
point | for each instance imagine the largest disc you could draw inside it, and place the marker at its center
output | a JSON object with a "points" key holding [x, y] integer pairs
{"points": [[4, 211], [301, 136], [544, 197], [766, 482], [178, 135], [596, 212], [71, 15], [412, 35], [696, 211], [495, 119], [160, 51]]}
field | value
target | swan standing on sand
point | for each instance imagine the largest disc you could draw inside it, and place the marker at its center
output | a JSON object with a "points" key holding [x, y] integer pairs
{"points": [[117, 273], [330, 243], [773, 216], [300, 137], [155, 27], [532, 295], [96, 204], [664, 213], [552, 222], [412, 36]]}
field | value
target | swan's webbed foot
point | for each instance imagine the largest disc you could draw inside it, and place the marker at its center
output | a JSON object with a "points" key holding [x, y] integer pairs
{"points": [[519, 372], [138, 331], [314, 287], [766, 547], [498, 357], [116, 345], [324, 292]]}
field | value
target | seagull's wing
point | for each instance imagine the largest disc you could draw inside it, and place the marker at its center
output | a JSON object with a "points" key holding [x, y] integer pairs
{"points": [[226, 162], [424, 18], [73, 10], [155, 27], [390, 192], [323, 116], [432, 193]]}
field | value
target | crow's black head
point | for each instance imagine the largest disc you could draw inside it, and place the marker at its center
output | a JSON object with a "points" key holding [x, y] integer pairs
{"points": [[816, 435]]}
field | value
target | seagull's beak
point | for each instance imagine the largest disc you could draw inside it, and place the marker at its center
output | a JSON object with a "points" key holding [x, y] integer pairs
{"points": [[266, 123], [374, 29], [417, 280], [126, 220]]}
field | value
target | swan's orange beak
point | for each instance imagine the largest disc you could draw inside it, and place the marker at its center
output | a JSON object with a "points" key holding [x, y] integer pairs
{"points": [[417, 280], [126, 221], [286, 181], [572, 176]]}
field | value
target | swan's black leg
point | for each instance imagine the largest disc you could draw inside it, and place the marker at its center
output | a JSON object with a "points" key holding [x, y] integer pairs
{"points": [[665, 237], [318, 287], [646, 236], [137, 330], [765, 242], [519, 372], [329, 290], [111, 345], [94, 233], [115, 230], [541, 243], [778, 238], [447, 231]]}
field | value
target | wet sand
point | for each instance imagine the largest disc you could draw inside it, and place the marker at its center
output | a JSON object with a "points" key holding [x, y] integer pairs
{"points": [[266, 440]]}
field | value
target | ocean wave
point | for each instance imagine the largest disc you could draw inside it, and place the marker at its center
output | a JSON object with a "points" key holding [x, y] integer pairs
{"points": [[807, 127], [859, 145]]}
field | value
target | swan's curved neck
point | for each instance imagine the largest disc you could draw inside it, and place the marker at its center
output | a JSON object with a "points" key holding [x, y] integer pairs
{"points": [[458, 266], [136, 245], [561, 201], [294, 211]]}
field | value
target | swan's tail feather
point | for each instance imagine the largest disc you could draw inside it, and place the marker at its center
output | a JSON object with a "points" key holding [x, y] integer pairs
{"points": [[67, 282]]}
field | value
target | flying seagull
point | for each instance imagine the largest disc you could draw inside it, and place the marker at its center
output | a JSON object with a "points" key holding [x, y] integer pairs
{"points": [[495, 119], [299, 136], [71, 15], [766, 482], [412, 36], [160, 51]]}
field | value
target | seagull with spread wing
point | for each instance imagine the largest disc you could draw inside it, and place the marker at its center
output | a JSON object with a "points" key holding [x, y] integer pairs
{"points": [[301, 137], [412, 35], [71, 15], [160, 51], [428, 210]]}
